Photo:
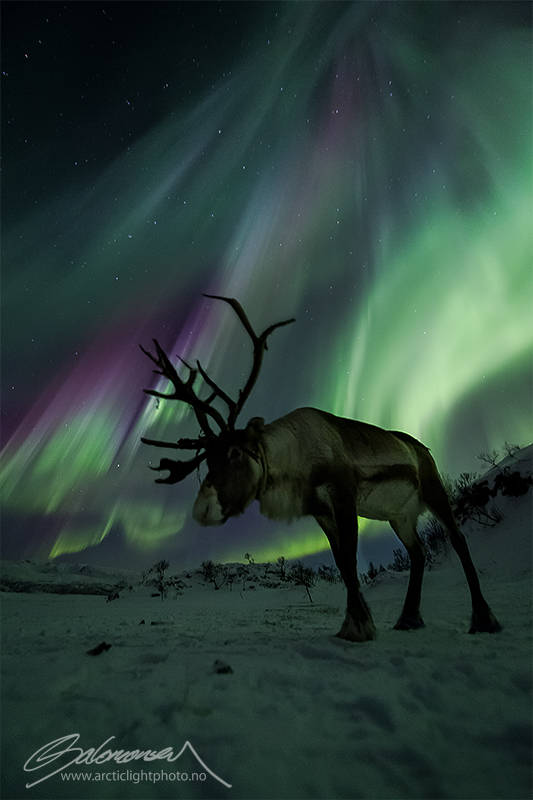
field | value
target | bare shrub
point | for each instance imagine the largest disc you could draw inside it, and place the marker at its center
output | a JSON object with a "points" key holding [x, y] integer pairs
{"points": [[303, 576], [217, 574], [157, 578], [281, 564], [401, 561], [329, 574]]}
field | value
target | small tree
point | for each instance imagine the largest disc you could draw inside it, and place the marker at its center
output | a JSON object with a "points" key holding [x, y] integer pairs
{"points": [[434, 540], [329, 574], [511, 449], [282, 568], [303, 576], [206, 569], [401, 561], [470, 499], [511, 484], [217, 574], [489, 457], [230, 578], [243, 573], [156, 576]]}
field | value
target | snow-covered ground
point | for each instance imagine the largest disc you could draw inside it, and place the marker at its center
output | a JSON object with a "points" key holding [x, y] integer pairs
{"points": [[432, 713]]}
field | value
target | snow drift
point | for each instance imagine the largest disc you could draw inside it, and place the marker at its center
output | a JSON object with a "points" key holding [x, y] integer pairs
{"points": [[267, 698]]}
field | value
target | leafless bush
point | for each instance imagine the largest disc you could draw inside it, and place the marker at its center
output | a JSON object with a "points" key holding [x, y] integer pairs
{"points": [[511, 449], [281, 564], [435, 541], [217, 574], [372, 572], [401, 561], [489, 457], [156, 576], [329, 574], [470, 500], [303, 576]]}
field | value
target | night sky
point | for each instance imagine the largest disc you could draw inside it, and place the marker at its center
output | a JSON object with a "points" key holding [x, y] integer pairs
{"points": [[363, 167]]}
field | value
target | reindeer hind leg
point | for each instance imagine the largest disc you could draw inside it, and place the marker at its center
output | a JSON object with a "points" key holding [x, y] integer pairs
{"points": [[436, 500]]}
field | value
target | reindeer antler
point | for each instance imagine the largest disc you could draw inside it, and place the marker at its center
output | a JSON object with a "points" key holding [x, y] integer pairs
{"points": [[184, 391], [259, 344], [178, 470]]}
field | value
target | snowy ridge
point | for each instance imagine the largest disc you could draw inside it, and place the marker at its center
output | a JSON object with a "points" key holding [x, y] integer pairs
{"points": [[62, 578]]}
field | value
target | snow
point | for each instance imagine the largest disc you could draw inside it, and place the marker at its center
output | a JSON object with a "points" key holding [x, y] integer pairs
{"points": [[431, 713]]}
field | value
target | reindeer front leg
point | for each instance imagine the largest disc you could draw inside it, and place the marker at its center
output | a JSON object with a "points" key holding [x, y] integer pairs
{"points": [[340, 526]]}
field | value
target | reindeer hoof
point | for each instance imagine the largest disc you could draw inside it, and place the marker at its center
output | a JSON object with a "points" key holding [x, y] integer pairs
{"points": [[357, 631], [409, 622], [484, 621]]}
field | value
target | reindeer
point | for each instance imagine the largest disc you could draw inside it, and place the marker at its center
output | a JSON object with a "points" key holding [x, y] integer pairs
{"points": [[310, 462]]}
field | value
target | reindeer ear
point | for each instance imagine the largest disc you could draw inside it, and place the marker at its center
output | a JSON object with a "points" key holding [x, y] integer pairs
{"points": [[256, 426]]}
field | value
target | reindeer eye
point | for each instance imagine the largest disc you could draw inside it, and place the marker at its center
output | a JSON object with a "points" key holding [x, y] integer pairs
{"points": [[234, 454]]}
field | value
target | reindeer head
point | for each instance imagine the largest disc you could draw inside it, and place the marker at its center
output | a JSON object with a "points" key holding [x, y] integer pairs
{"points": [[234, 456], [235, 465]]}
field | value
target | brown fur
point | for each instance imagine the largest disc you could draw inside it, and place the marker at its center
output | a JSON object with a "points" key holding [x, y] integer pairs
{"points": [[314, 463]]}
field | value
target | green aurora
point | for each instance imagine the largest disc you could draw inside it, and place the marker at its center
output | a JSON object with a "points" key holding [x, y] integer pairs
{"points": [[356, 168]]}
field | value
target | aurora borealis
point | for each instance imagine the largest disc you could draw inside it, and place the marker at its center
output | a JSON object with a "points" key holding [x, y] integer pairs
{"points": [[363, 167]]}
